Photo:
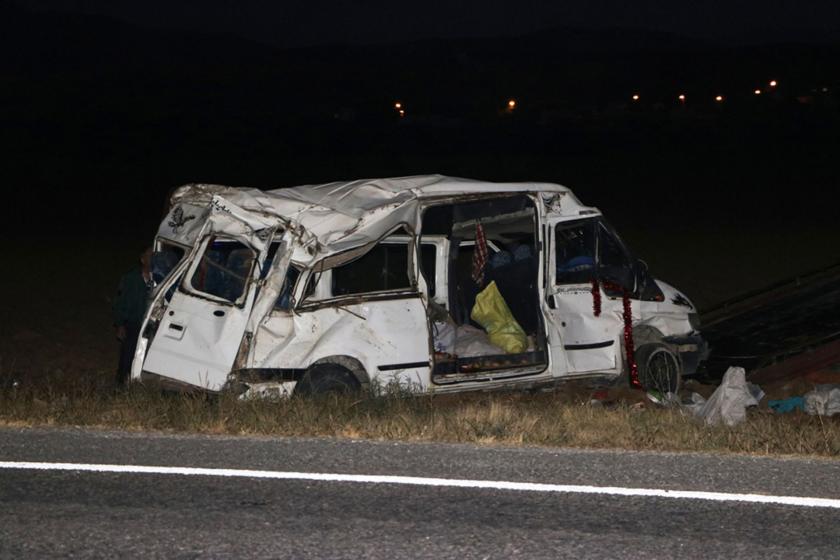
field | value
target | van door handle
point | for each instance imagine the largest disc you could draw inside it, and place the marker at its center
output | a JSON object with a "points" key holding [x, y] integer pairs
{"points": [[219, 313], [551, 303], [175, 331]]}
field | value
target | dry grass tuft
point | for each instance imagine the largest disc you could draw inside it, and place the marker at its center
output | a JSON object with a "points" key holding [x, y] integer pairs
{"points": [[545, 419]]}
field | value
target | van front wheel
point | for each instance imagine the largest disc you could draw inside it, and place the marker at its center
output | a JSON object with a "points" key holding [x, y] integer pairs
{"points": [[327, 379], [659, 368]]}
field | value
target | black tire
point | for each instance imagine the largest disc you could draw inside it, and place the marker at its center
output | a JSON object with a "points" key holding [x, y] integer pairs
{"points": [[327, 379], [659, 368]]}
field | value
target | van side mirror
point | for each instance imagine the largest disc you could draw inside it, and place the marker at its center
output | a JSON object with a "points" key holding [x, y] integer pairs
{"points": [[646, 287], [642, 275]]}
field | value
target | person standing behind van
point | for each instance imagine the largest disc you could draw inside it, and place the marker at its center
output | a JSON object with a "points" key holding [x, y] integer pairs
{"points": [[128, 310]]}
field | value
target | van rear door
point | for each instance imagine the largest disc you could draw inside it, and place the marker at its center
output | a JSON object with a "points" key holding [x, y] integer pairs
{"points": [[200, 332]]}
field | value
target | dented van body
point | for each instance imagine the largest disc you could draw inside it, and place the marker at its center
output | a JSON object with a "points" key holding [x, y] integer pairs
{"points": [[338, 286]]}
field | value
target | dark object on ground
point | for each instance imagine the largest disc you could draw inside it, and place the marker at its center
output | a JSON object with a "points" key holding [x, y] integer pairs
{"points": [[787, 405]]}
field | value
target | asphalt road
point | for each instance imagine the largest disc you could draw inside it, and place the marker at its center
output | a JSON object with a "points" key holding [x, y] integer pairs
{"points": [[91, 514]]}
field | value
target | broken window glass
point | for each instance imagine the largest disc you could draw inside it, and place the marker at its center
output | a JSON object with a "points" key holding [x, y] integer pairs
{"points": [[284, 300], [224, 270], [269, 259], [164, 260], [385, 267]]}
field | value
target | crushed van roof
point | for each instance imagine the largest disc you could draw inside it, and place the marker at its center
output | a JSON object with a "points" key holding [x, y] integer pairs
{"points": [[334, 217]]}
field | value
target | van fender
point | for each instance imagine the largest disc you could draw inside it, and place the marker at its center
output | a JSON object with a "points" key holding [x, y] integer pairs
{"points": [[646, 334]]}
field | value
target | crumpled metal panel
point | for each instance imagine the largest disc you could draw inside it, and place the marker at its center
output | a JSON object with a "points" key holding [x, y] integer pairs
{"points": [[375, 333], [334, 217]]}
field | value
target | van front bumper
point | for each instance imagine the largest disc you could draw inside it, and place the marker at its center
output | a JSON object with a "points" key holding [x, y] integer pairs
{"points": [[693, 350]]}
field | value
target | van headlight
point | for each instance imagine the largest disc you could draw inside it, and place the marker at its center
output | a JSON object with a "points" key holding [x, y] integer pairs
{"points": [[694, 321]]}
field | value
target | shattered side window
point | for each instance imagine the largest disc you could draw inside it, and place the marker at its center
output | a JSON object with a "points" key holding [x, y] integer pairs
{"points": [[269, 259], [385, 267], [284, 300], [575, 252], [164, 260], [224, 270]]}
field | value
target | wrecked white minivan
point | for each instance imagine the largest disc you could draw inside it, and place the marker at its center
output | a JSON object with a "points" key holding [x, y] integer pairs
{"points": [[432, 283]]}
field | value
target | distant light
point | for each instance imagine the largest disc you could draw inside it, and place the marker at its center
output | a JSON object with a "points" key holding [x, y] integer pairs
{"points": [[825, 90], [757, 92], [635, 97], [681, 97], [512, 104], [719, 98], [773, 83], [398, 105], [402, 112]]}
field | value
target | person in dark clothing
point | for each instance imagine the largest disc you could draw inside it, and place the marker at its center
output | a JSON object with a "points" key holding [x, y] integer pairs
{"points": [[128, 310]]}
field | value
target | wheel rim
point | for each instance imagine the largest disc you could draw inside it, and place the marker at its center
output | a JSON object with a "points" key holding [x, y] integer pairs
{"points": [[662, 371]]}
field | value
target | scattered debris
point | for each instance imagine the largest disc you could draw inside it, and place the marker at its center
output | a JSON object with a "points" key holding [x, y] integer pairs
{"points": [[729, 403], [824, 400], [658, 397], [789, 404]]}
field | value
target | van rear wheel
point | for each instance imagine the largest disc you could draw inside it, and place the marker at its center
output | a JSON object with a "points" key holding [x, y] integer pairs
{"points": [[659, 368], [327, 379]]}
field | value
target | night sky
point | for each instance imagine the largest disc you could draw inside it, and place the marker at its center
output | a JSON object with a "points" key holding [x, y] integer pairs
{"points": [[661, 114], [317, 22], [130, 99]]}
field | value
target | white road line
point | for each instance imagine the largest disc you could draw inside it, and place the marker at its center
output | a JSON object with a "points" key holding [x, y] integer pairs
{"points": [[439, 482]]}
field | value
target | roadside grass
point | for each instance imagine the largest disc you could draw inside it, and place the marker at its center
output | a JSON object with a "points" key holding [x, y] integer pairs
{"points": [[544, 419]]}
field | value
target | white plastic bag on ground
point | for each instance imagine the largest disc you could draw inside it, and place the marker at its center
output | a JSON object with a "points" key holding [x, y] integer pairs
{"points": [[729, 402], [823, 400]]}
